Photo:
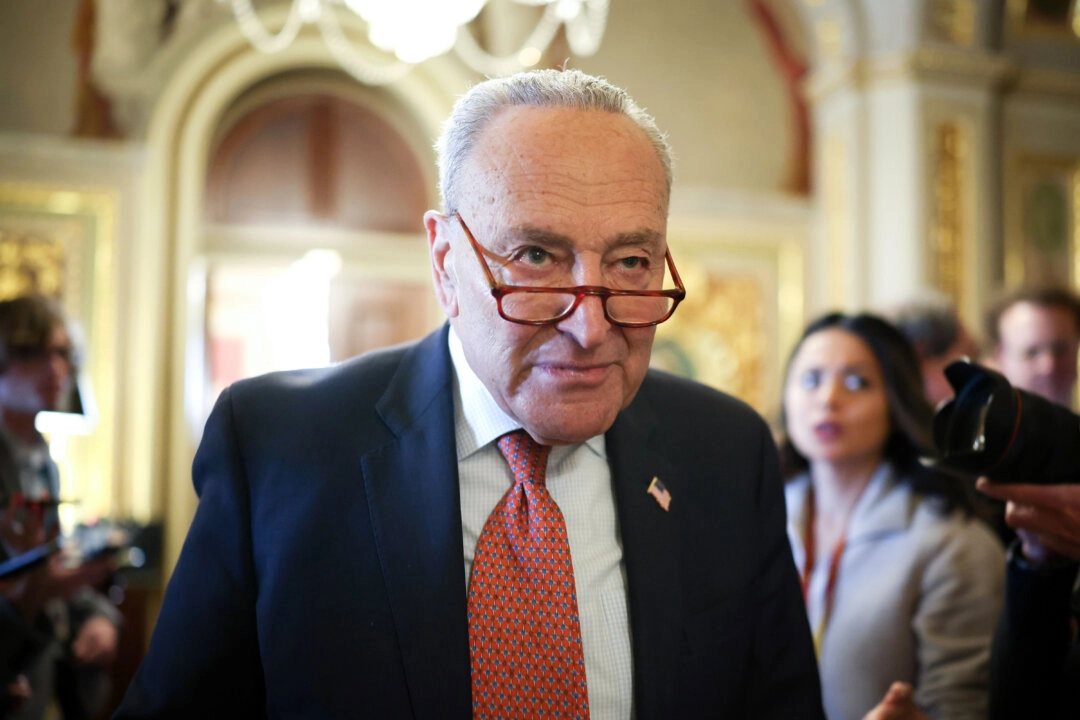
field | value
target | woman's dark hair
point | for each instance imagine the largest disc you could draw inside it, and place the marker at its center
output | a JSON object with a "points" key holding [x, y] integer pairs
{"points": [[910, 413]]}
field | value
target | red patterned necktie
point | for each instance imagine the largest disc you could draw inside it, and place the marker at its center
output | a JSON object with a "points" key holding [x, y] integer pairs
{"points": [[524, 635]]}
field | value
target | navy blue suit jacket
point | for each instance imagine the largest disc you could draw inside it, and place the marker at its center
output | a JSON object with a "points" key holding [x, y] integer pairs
{"points": [[323, 574]]}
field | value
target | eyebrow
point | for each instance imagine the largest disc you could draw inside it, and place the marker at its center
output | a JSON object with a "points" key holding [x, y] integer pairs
{"points": [[637, 238], [862, 368]]}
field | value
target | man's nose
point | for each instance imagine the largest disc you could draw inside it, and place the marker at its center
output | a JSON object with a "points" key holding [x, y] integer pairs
{"points": [[58, 365], [1047, 362], [587, 323]]}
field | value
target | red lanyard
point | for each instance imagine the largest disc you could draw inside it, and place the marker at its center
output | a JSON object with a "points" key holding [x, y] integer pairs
{"points": [[808, 567]]}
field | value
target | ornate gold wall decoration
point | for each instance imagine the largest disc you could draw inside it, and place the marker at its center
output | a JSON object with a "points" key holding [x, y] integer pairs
{"points": [[58, 241], [720, 338], [953, 21], [32, 262], [742, 315], [1045, 19], [948, 231], [1043, 226]]}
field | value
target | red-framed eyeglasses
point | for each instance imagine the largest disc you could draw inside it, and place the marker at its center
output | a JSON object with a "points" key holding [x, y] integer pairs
{"points": [[539, 305]]}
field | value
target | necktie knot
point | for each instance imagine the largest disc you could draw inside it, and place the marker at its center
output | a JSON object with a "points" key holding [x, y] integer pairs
{"points": [[526, 457]]}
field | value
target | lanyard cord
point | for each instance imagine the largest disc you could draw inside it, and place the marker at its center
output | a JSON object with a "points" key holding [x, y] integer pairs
{"points": [[808, 569]]}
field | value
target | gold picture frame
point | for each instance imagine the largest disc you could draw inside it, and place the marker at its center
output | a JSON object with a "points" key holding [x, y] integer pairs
{"points": [[1043, 229], [743, 313]]}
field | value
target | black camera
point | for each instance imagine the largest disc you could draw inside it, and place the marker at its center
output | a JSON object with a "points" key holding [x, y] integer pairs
{"points": [[991, 428]]}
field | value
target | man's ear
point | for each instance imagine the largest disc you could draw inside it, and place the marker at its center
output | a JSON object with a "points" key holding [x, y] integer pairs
{"points": [[442, 271]]}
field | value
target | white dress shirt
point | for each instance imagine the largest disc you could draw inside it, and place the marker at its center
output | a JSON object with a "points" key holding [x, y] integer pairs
{"points": [[579, 481]]}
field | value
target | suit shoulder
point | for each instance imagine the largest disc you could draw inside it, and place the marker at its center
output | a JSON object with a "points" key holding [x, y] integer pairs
{"points": [[355, 380], [673, 393]]}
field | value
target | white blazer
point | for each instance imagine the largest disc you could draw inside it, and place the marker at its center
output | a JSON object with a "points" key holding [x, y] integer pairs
{"points": [[917, 598]]}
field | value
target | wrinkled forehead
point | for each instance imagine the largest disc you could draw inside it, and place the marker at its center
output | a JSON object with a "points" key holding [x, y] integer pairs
{"points": [[1027, 324], [551, 168]]}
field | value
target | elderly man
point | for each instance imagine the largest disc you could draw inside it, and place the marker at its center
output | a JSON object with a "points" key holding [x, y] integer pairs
{"points": [[513, 517]]}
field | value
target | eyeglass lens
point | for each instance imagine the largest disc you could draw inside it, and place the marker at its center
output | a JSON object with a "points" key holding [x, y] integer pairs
{"points": [[541, 306]]}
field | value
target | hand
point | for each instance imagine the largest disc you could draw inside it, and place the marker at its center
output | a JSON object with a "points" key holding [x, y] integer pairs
{"points": [[96, 642], [54, 580], [16, 695], [898, 704], [1046, 517]]}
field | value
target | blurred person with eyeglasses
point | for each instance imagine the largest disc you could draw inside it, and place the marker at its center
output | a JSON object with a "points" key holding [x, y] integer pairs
{"points": [[59, 634], [1036, 672], [358, 527], [1035, 660]]}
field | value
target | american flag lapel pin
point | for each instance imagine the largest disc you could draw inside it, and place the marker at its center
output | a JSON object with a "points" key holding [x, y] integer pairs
{"points": [[660, 493]]}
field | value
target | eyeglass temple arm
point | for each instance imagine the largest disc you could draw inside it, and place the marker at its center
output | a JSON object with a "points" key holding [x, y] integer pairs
{"points": [[479, 252], [674, 273]]}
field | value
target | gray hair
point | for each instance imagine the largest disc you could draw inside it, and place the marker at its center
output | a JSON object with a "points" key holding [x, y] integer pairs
{"points": [[930, 323], [538, 88]]}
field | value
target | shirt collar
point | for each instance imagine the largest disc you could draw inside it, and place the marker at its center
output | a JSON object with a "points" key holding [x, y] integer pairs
{"points": [[478, 418]]}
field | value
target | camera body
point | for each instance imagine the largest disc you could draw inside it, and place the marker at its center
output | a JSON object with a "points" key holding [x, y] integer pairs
{"points": [[1009, 435]]}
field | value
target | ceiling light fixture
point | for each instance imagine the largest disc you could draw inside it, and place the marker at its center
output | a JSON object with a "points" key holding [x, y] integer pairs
{"points": [[416, 30]]}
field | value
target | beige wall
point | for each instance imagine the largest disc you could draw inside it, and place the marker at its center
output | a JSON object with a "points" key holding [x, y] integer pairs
{"points": [[702, 68], [699, 65], [37, 66]]}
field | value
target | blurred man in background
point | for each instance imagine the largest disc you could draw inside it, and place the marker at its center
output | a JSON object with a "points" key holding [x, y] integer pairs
{"points": [[1035, 334], [1036, 668], [939, 336], [58, 633]]}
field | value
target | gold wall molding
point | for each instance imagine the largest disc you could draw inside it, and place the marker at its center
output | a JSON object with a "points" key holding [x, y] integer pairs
{"points": [[976, 68], [948, 233], [742, 315], [1047, 81], [953, 21], [1042, 238]]}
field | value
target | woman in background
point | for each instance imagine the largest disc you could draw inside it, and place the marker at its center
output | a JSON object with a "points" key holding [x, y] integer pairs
{"points": [[901, 582]]}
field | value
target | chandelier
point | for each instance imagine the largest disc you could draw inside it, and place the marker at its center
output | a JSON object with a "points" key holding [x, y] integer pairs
{"points": [[416, 30]]}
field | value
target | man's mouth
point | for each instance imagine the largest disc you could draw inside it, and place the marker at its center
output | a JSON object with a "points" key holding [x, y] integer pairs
{"points": [[587, 374]]}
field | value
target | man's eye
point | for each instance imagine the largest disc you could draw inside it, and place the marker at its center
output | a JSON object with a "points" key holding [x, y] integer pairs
{"points": [[634, 262], [535, 255]]}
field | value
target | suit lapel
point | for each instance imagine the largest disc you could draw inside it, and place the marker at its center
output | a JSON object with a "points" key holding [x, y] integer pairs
{"points": [[651, 551], [412, 487]]}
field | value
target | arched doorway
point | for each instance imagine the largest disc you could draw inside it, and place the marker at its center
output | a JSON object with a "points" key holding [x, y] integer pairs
{"points": [[197, 103], [308, 174]]}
